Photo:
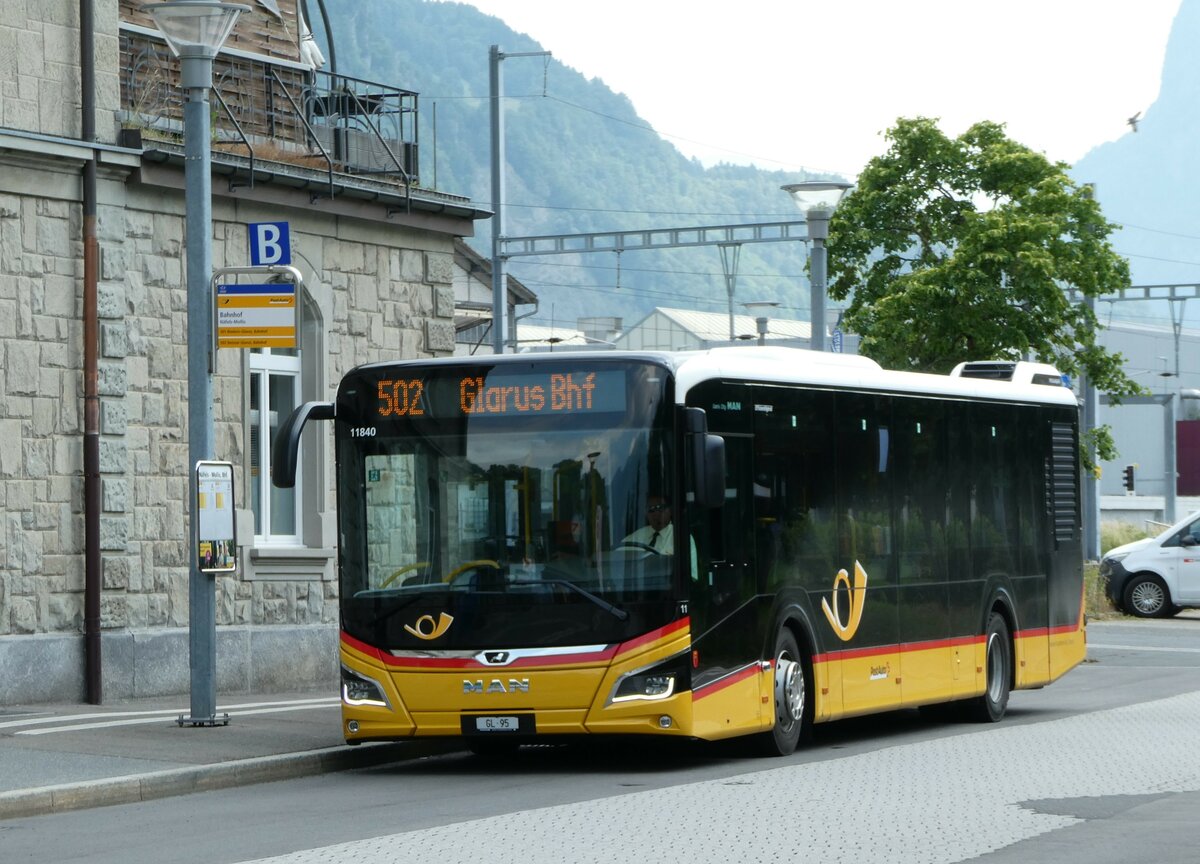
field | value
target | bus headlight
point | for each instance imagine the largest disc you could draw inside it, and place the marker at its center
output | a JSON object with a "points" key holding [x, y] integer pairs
{"points": [[360, 690], [652, 683]]}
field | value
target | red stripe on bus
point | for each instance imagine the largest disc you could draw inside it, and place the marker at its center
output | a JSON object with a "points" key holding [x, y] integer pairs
{"points": [[1065, 628], [604, 655], [728, 681], [654, 635], [955, 642], [470, 662], [357, 645], [901, 648], [932, 644]]}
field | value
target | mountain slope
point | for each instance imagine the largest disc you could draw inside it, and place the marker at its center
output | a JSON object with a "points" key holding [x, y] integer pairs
{"points": [[579, 160]]}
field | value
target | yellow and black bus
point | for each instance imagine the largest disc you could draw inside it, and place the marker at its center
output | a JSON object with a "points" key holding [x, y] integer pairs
{"points": [[832, 540]]}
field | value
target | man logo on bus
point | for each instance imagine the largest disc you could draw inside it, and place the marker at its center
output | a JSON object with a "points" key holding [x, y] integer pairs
{"points": [[858, 598], [425, 628]]}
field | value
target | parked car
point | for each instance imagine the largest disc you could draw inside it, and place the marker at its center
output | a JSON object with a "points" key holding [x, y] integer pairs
{"points": [[1157, 576]]}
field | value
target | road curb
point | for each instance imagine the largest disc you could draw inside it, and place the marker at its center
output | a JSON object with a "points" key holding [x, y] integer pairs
{"points": [[22, 803]]}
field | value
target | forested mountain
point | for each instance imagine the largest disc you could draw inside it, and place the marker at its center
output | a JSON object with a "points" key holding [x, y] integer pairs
{"points": [[580, 159]]}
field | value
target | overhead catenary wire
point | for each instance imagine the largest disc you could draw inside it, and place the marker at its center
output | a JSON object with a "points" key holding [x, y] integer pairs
{"points": [[545, 95]]}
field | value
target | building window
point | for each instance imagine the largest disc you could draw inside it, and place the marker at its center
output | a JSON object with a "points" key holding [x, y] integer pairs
{"points": [[274, 392]]}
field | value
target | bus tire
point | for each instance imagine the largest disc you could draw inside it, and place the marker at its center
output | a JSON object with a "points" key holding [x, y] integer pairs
{"points": [[792, 705], [997, 665]]}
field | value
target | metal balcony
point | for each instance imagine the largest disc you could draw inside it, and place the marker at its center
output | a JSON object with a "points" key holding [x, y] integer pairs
{"points": [[277, 112]]}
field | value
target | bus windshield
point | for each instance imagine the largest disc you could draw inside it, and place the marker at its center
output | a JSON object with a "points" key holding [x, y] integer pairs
{"points": [[506, 505]]}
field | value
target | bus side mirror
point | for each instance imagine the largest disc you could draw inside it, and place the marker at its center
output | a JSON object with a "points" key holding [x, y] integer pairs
{"points": [[708, 460], [287, 441]]}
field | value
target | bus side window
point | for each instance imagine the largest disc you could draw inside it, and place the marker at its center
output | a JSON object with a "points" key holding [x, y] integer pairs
{"points": [[793, 488]]}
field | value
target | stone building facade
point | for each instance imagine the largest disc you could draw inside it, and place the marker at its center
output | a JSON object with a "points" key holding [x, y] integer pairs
{"points": [[378, 261]]}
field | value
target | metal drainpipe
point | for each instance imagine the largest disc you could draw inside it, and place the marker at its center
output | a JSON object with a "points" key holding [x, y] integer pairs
{"points": [[91, 376]]}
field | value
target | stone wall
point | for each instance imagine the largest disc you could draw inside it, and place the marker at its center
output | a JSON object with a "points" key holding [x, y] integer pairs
{"points": [[41, 486], [379, 292], [377, 288], [39, 67]]}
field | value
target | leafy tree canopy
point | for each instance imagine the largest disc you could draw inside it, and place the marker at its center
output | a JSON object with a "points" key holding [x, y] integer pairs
{"points": [[966, 249]]}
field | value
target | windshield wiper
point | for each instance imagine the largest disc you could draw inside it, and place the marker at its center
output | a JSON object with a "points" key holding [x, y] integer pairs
{"points": [[397, 607], [619, 614]]}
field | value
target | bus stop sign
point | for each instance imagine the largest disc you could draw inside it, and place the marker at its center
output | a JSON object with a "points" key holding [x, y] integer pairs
{"points": [[270, 243]]}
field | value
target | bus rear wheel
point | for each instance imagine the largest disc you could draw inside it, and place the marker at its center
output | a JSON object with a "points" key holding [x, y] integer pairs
{"points": [[793, 709], [990, 707]]}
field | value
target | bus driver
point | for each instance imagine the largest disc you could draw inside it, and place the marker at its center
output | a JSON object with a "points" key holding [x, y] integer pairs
{"points": [[657, 534]]}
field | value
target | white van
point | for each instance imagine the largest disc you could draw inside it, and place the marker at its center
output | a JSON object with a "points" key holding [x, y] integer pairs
{"points": [[1157, 576]]}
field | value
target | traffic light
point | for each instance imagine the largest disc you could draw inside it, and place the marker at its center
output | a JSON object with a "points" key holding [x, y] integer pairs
{"points": [[1127, 481]]}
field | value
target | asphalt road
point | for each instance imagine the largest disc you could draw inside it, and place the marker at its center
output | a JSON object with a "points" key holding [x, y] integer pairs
{"points": [[1099, 767]]}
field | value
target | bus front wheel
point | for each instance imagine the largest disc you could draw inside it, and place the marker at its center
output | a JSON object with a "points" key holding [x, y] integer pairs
{"points": [[990, 707], [793, 708]]}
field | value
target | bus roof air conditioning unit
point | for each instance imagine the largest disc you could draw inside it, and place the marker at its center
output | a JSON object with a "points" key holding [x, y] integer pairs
{"points": [[996, 370], [1018, 372]]}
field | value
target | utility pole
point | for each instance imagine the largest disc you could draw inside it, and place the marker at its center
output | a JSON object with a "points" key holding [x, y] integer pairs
{"points": [[499, 264], [729, 264]]}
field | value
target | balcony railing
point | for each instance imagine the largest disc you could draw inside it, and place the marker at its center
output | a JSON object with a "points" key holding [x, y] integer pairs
{"points": [[279, 112]]}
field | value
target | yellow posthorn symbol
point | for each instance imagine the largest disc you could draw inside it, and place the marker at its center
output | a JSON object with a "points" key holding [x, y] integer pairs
{"points": [[858, 598], [424, 628]]}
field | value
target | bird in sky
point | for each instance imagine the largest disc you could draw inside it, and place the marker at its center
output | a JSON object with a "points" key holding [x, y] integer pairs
{"points": [[1133, 121]]}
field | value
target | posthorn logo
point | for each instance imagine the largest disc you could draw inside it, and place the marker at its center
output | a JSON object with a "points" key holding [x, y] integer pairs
{"points": [[425, 627], [857, 599]]}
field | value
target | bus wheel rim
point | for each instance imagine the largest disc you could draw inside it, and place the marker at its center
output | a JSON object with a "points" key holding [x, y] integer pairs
{"points": [[789, 690], [995, 681]]}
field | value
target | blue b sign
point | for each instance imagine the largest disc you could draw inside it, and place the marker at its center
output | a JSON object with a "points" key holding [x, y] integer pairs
{"points": [[270, 243]]}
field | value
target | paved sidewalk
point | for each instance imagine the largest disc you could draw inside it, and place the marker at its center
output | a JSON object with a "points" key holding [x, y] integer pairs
{"points": [[67, 757]]}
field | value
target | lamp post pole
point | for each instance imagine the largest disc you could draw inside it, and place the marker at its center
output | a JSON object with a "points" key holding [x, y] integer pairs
{"points": [[195, 30], [202, 588], [761, 321], [818, 199], [818, 230]]}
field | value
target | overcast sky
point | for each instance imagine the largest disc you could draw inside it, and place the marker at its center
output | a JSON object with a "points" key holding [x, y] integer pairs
{"points": [[790, 84]]}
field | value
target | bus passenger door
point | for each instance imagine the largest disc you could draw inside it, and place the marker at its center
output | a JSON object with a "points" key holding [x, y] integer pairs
{"points": [[727, 634], [796, 519], [861, 605], [921, 500]]}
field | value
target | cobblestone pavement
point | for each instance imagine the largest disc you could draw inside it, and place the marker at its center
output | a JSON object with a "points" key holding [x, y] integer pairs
{"points": [[945, 800]]}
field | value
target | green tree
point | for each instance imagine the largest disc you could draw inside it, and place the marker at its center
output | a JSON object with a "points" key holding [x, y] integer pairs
{"points": [[967, 249]]}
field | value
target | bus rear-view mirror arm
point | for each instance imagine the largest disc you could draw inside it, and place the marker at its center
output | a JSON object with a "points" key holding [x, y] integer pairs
{"points": [[287, 441], [708, 460]]}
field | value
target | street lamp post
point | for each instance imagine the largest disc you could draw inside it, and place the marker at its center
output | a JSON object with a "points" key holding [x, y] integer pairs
{"points": [[195, 30], [817, 198]]}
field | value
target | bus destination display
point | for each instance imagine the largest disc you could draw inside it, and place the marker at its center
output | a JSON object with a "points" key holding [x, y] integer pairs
{"points": [[576, 392]]}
